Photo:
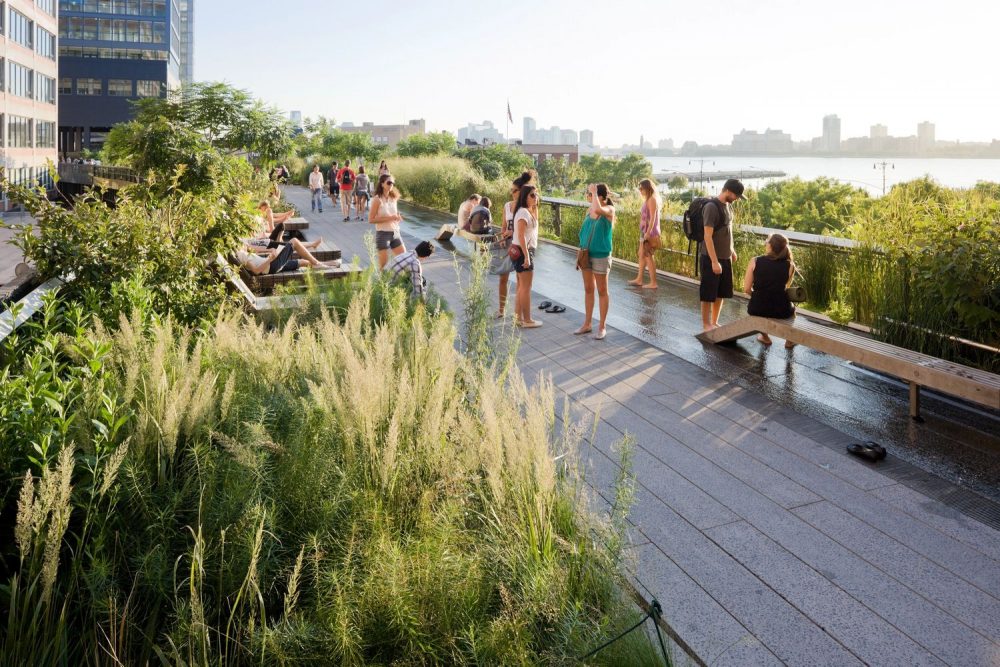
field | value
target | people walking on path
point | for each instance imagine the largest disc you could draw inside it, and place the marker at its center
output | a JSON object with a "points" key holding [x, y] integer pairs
{"points": [[595, 238], [766, 279], [331, 178], [345, 178], [649, 233], [507, 233], [409, 264], [525, 239], [717, 254], [316, 188], [465, 210], [383, 169], [385, 216], [362, 192]]}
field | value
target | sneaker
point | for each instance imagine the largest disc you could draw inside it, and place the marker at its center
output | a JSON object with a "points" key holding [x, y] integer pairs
{"points": [[347, 219]]}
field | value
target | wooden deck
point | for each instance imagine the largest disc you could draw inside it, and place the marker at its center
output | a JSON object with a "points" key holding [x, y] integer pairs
{"points": [[764, 541]]}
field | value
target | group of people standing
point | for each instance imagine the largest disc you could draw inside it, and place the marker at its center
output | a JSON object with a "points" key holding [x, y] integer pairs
{"points": [[766, 278], [346, 186]]}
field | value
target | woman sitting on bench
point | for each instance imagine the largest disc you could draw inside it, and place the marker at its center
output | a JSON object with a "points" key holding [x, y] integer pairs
{"points": [[766, 278], [272, 226], [279, 259]]}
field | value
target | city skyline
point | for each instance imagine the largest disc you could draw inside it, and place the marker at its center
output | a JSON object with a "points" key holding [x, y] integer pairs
{"points": [[781, 65]]}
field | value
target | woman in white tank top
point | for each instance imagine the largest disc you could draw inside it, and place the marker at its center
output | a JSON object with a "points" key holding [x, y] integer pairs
{"points": [[385, 216]]}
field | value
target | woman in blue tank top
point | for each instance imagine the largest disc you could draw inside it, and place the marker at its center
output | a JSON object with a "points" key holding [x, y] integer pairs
{"points": [[595, 237]]}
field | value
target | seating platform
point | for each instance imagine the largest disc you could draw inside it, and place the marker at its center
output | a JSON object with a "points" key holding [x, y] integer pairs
{"points": [[299, 224], [919, 370]]}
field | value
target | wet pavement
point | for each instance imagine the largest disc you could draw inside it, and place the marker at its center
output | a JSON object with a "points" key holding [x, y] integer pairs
{"points": [[958, 441]]}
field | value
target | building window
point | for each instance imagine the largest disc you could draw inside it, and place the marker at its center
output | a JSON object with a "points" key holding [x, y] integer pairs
{"points": [[88, 87], [65, 86], [18, 132], [47, 6], [20, 80], [120, 87], [45, 88], [113, 30], [45, 136], [45, 43], [149, 88], [21, 28]]}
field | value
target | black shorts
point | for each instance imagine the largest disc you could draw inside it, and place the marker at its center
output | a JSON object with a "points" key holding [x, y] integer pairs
{"points": [[387, 240], [284, 261], [715, 287], [519, 264]]}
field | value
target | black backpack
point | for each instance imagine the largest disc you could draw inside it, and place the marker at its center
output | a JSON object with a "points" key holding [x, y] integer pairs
{"points": [[694, 221], [345, 178]]}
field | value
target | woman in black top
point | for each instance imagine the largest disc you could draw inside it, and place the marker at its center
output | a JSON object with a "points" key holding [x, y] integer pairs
{"points": [[766, 278]]}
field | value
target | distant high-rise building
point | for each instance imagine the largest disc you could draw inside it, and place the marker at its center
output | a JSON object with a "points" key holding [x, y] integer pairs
{"points": [[879, 132], [771, 141], [568, 137], [831, 134], [296, 118], [529, 129], [186, 29], [111, 53], [925, 136], [387, 135], [666, 144], [586, 137], [28, 97], [480, 133]]}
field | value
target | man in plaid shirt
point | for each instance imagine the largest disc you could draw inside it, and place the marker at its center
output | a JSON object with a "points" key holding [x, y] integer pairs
{"points": [[409, 262]]}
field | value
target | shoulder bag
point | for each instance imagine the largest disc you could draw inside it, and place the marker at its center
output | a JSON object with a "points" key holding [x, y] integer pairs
{"points": [[583, 254], [796, 293]]}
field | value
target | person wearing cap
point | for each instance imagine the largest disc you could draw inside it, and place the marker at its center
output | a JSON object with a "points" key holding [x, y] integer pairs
{"points": [[717, 254]]}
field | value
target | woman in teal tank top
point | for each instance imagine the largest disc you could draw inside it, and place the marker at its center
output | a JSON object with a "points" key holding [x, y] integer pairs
{"points": [[595, 236]]}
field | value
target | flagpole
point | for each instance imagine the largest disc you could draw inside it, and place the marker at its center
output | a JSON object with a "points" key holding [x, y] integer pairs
{"points": [[506, 134]]}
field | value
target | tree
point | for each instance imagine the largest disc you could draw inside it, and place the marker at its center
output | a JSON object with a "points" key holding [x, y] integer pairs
{"points": [[677, 182], [818, 206], [557, 174], [433, 143], [496, 161]]}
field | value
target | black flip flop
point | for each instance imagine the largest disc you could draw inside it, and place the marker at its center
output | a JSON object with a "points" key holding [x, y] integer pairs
{"points": [[556, 309], [544, 304], [871, 451]]}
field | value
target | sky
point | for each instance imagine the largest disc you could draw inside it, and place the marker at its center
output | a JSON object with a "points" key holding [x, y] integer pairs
{"points": [[657, 68]]}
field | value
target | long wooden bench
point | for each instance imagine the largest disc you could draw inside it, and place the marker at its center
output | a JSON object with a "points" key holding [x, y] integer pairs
{"points": [[263, 306], [919, 370], [299, 224]]}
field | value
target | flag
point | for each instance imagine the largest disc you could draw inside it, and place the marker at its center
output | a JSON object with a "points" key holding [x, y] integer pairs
{"points": [[509, 116]]}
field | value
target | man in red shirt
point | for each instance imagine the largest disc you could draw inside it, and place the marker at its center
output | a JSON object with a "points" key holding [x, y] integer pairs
{"points": [[345, 178]]}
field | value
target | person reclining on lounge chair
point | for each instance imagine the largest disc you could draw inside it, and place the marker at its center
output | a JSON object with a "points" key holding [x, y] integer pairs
{"points": [[279, 259], [272, 226]]}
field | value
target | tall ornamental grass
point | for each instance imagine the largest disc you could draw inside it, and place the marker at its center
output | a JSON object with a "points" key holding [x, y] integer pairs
{"points": [[336, 490]]}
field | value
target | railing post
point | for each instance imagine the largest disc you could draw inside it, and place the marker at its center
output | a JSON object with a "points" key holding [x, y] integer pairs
{"points": [[557, 220]]}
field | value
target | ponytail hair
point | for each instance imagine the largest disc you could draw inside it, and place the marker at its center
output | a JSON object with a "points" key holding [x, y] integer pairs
{"points": [[522, 180], [779, 247]]}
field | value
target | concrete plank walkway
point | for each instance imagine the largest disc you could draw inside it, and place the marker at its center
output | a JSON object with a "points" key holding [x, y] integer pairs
{"points": [[764, 544]]}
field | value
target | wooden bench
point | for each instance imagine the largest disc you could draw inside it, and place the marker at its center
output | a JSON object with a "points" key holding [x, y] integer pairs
{"points": [[919, 370], [299, 224], [262, 306]]}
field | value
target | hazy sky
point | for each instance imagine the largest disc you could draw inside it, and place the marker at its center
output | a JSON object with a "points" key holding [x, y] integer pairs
{"points": [[661, 68]]}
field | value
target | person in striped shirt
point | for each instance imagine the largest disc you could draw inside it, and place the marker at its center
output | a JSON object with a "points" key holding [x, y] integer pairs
{"points": [[408, 265]]}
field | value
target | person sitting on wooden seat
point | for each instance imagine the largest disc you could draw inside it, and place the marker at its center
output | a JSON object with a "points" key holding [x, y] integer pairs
{"points": [[766, 278], [272, 225], [280, 259], [481, 220]]}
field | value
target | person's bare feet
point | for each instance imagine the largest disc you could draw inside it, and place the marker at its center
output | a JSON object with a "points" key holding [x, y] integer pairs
{"points": [[764, 339], [650, 286], [789, 344], [634, 283], [709, 327], [582, 330]]}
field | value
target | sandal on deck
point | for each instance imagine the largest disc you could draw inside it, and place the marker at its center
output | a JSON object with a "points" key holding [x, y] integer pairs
{"points": [[556, 309], [870, 450], [544, 304]]}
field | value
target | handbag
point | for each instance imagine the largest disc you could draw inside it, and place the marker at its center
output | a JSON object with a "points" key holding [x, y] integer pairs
{"points": [[583, 254], [796, 293], [515, 253]]}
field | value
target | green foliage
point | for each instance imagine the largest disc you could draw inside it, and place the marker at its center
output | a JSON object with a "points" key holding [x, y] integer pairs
{"points": [[363, 500], [819, 206], [422, 145], [193, 127], [622, 174], [322, 143], [557, 176], [496, 161], [160, 235], [444, 182]]}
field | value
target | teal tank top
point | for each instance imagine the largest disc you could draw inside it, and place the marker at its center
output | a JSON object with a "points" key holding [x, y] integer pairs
{"points": [[600, 244]]}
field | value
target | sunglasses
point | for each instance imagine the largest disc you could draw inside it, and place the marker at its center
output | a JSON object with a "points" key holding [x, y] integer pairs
{"points": [[390, 182]]}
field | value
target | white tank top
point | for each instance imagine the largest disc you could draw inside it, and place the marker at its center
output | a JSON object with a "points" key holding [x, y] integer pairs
{"points": [[386, 207]]}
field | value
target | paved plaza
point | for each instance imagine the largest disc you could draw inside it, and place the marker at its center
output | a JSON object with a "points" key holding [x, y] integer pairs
{"points": [[765, 543]]}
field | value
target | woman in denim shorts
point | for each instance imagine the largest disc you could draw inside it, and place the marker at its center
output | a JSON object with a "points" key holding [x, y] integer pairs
{"points": [[595, 236], [386, 218]]}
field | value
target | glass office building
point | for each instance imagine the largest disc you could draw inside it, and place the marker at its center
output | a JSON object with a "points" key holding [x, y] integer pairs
{"points": [[112, 52]]}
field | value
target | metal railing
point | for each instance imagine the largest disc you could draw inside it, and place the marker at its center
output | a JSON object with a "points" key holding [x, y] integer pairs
{"points": [[91, 174]]}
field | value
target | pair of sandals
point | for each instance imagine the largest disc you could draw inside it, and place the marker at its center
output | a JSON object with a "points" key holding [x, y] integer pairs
{"points": [[550, 307], [870, 450]]}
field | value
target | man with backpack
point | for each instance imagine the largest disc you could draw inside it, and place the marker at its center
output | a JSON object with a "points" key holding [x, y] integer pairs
{"points": [[710, 221], [345, 178]]}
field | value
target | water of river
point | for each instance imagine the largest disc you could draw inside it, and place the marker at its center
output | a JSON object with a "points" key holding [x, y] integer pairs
{"points": [[862, 172]]}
